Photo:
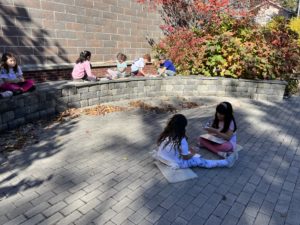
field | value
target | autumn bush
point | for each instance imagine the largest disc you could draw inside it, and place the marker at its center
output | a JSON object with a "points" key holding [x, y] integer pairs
{"points": [[215, 39], [236, 48], [295, 26]]}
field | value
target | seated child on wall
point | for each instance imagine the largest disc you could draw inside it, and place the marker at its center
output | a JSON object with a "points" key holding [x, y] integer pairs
{"points": [[137, 67], [12, 76], [82, 69], [166, 67], [121, 67]]}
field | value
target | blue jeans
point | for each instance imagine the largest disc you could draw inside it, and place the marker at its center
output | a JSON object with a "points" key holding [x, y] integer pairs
{"points": [[201, 162]]}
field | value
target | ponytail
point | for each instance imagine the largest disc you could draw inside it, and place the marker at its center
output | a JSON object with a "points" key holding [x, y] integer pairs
{"points": [[83, 56]]}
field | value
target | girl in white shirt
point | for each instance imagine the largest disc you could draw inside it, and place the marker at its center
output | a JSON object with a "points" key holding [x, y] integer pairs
{"points": [[223, 126], [137, 67], [174, 151]]}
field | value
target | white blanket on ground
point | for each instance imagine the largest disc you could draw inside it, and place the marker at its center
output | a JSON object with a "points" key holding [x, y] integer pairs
{"points": [[175, 175]]}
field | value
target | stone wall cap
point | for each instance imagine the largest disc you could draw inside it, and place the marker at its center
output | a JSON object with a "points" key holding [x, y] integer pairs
{"points": [[265, 81], [70, 83]]}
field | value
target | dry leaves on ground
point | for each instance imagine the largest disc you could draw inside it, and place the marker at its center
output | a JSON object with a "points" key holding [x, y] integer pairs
{"points": [[68, 114], [100, 110], [18, 138], [147, 107], [189, 105]]}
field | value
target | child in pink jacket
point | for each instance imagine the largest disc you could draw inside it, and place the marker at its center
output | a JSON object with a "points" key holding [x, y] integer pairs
{"points": [[82, 69]]}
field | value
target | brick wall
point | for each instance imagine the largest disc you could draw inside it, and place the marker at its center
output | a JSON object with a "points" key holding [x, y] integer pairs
{"points": [[56, 31]]}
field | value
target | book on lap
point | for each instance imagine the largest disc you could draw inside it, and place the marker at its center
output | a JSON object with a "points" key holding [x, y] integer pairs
{"points": [[213, 138]]}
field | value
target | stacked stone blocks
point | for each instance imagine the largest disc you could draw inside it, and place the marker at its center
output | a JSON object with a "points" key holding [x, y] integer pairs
{"points": [[52, 99]]}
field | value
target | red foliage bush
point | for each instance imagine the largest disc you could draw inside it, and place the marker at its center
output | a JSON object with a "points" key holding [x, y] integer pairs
{"points": [[217, 38], [238, 48]]}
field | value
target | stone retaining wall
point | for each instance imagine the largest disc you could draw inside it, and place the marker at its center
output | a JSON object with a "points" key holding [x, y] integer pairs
{"points": [[51, 98]]}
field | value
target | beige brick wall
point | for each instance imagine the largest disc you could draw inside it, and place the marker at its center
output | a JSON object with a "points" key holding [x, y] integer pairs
{"points": [[56, 31]]}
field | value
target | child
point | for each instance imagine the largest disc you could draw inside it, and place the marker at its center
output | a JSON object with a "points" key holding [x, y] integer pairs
{"points": [[82, 69], [173, 148], [121, 68], [137, 68], [12, 76], [167, 68], [223, 126]]}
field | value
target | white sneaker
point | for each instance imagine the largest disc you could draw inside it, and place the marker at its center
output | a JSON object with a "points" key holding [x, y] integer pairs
{"points": [[6, 94]]}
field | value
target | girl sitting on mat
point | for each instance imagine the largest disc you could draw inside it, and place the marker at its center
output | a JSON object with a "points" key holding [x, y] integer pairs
{"points": [[173, 148], [223, 126]]}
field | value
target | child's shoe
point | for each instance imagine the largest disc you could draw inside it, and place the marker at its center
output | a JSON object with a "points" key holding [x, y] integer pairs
{"points": [[92, 79], [6, 94]]}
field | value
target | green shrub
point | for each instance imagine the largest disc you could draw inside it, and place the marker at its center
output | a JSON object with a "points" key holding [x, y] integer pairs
{"points": [[234, 48]]}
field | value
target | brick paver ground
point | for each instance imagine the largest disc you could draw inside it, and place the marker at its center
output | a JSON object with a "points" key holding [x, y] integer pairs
{"points": [[96, 170]]}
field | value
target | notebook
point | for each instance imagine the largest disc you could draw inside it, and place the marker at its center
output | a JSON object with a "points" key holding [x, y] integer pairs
{"points": [[213, 138]]}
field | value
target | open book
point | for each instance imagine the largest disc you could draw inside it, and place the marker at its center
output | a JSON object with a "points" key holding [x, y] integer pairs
{"points": [[213, 138]]}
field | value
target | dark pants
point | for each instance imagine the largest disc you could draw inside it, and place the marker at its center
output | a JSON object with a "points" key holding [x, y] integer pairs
{"points": [[15, 87]]}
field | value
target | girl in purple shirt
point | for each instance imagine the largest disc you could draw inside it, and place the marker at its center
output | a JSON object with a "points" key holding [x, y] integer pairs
{"points": [[12, 76]]}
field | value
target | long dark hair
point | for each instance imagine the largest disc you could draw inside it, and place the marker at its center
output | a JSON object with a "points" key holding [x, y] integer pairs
{"points": [[85, 55], [174, 131], [224, 108], [4, 58]]}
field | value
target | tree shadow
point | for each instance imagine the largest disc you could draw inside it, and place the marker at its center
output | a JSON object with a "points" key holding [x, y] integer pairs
{"points": [[254, 184], [22, 185], [18, 172], [116, 173], [27, 39]]}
